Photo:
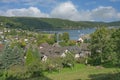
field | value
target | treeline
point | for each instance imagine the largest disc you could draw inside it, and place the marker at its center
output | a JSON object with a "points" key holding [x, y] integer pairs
{"points": [[49, 23]]}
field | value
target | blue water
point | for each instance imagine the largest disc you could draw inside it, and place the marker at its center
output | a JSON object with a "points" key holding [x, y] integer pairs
{"points": [[74, 34]]}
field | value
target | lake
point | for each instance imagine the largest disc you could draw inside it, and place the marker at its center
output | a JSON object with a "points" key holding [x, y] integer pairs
{"points": [[74, 34]]}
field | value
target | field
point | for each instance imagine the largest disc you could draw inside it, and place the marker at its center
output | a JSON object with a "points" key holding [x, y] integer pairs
{"points": [[82, 72]]}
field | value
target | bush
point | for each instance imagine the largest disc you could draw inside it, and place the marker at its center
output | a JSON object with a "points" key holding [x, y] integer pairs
{"points": [[54, 64], [35, 69], [50, 41], [63, 43], [17, 73], [71, 43], [69, 60], [81, 60]]}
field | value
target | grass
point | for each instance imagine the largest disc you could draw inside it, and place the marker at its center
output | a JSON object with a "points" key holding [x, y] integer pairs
{"points": [[82, 72]]}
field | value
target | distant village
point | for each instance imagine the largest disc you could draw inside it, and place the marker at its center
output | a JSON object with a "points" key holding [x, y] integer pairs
{"points": [[24, 38]]}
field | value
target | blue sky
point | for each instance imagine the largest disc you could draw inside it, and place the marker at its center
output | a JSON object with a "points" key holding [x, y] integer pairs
{"points": [[76, 10]]}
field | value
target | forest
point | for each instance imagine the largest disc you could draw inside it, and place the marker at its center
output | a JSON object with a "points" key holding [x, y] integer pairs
{"points": [[51, 23]]}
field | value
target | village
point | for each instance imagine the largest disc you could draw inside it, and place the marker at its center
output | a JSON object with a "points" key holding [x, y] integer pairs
{"points": [[25, 38], [26, 54]]}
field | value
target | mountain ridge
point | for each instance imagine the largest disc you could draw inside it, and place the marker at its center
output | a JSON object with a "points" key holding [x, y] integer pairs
{"points": [[50, 23]]}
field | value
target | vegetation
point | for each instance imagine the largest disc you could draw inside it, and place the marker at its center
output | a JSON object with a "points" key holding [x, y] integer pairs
{"points": [[82, 72], [30, 23], [11, 56], [104, 46], [20, 58]]}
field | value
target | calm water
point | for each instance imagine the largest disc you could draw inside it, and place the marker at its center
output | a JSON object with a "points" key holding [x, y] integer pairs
{"points": [[74, 34]]}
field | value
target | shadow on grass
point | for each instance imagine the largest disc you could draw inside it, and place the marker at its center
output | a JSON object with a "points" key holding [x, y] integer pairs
{"points": [[109, 64], [110, 76], [39, 78], [32, 78]]}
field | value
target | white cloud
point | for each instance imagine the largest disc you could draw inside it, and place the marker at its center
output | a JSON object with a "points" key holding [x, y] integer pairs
{"points": [[31, 12], [69, 11], [64, 10], [103, 12], [118, 15]]}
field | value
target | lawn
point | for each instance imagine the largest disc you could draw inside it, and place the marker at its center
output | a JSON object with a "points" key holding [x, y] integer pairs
{"points": [[82, 72]]}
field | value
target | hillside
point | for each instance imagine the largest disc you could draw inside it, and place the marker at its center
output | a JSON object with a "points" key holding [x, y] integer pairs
{"points": [[49, 23]]}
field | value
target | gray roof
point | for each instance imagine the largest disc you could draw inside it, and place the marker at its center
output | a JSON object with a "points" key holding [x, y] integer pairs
{"points": [[45, 45], [84, 47], [56, 50]]}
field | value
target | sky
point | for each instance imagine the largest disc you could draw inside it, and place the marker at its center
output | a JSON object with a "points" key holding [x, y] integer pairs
{"points": [[75, 10]]}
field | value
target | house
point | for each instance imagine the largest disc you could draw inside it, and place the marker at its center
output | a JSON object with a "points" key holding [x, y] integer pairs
{"points": [[1, 47], [25, 40], [40, 47], [85, 50], [52, 51], [44, 58], [77, 55], [1, 23], [63, 55], [56, 45], [44, 45], [80, 40], [2, 37], [66, 51], [1, 32]]}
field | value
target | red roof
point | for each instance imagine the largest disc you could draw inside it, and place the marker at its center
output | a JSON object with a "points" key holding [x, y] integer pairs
{"points": [[1, 47]]}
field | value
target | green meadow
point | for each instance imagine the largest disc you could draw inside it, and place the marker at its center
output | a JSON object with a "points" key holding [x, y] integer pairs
{"points": [[83, 72]]}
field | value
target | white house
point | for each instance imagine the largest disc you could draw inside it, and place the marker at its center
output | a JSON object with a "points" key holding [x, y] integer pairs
{"points": [[40, 47], [25, 57], [1, 24], [25, 40], [44, 58], [80, 40], [66, 51], [2, 37], [1, 32], [63, 55], [77, 55]]}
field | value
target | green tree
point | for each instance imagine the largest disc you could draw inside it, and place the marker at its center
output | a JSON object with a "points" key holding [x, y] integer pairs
{"points": [[115, 39], [32, 55], [65, 36], [11, 56], [100, 45]]}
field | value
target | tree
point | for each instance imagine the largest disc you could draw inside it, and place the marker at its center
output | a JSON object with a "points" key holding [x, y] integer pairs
{"points": [[32, 55], [105, 47], [11, 56], [65, 36], [115, 39], [100, 45]]}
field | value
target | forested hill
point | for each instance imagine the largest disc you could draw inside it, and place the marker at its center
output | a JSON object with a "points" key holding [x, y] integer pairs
{"points": [[49, 23]]}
